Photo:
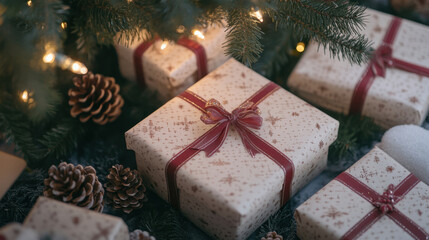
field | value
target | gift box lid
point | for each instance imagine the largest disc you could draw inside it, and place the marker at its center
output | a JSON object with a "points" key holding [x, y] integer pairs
{"points": [[336, 208], [176, 61], [330, 82], [11, 168], [50, 216], [231, 177]]}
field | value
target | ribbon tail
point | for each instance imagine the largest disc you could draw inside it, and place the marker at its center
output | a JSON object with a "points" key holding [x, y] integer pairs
{"points": [[409, 67], [245, 138], [214, 140]]}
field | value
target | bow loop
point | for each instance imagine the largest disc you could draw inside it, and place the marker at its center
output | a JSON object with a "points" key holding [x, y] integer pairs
{"points": [[247, 115], [382, 59]]}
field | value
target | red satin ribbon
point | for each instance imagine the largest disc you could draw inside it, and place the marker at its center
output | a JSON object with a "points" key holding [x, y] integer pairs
{"points": [[244, 117], [382, 59], [194, 46], [383, 206]]}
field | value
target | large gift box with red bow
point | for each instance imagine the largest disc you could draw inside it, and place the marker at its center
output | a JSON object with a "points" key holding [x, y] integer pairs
{"points": [[392, 88], [231, 150], [376, 198], [170, 68]]}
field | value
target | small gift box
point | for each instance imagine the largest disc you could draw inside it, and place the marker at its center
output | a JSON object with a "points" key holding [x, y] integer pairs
{"points": [[393, 88], [52, 217], [11, 168], [376, 198], [170, 68], [231, 149]]}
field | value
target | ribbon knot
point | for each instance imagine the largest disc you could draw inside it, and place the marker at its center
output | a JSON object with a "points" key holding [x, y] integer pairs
{"points": [[385, 203], [246, 116], [382, 59]]}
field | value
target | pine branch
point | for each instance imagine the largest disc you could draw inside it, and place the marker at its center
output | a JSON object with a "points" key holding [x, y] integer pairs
{"points": [[281, 222], [341, 43], [243, 37]]}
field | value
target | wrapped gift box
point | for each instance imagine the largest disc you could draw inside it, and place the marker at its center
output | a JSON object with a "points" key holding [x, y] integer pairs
{"points": [[174, 69], [11, 168], [231, 193], [15, 231], [401, 97], [351, 205], [52, 217]]}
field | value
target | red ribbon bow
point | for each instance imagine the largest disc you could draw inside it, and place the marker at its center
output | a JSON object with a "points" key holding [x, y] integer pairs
{"points": [[386, 202], [247, 115], [381, 60]]}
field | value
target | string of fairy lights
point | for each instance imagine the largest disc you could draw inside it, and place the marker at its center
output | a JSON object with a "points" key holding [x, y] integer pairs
{"points": [[67, 63]]}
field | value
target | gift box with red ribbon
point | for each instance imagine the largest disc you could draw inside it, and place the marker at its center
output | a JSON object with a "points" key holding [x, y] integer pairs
{"points": [[376, 198], [59, 220], [231, 150], [171, 67], [392, 88]]}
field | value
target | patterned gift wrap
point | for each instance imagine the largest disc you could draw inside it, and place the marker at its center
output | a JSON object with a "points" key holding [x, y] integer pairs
{"points": [[393, 88], [54, 218], [225, 191], [376, 198], [178, 66]]}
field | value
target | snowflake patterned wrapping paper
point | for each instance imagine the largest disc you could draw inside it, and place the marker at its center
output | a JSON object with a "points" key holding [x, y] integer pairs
{"points": [[230, 194], [337, 209], [400, 97], [173, 70], [52, 217]]}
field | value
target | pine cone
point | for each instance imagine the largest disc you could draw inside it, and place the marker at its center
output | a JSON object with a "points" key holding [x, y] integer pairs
{"points": [[140, 235], [96, 97], [272, 236], [76, 185], [125, 189]]}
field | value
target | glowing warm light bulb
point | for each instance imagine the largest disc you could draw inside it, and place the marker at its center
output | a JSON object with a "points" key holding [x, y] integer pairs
{"points": [[164, 45], [78, 67], [49, 58], [300, 47], [199, 34], [24, 96], [29, 3], [258, 15], [63, 25]]}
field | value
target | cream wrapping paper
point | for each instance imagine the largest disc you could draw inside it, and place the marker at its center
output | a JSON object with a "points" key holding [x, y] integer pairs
{"points": [[173, 70], [53, 217], [333, 210], [230, 194], [15, 231], [10, 169], [399, 98]]}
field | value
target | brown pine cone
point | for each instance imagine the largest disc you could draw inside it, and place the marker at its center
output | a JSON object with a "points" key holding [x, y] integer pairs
{"points": [[125, 189], [272, 236], [76, 185], [96, 97], [140, 235]]}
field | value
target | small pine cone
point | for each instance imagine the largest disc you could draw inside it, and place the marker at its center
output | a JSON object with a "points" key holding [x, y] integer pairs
{"points": [[96, 97], [76, 185], [125, 189], [272, 236], [140, 235]]}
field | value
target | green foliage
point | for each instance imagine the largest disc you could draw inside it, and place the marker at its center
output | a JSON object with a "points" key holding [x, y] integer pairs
{"points": [[281, 222]]}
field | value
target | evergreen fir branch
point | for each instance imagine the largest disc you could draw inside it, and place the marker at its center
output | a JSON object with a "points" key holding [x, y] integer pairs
{"points": [[281, 222], [243, 36], [354, 47], [61, 139], [18, 201], [15, 126]]}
